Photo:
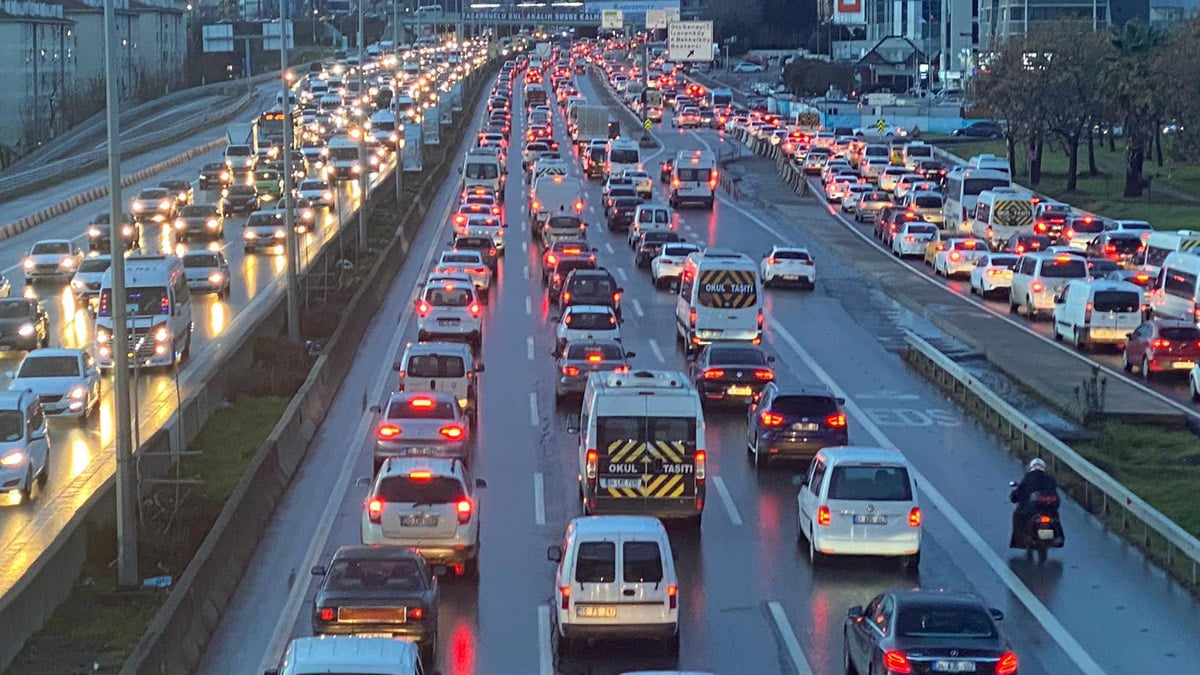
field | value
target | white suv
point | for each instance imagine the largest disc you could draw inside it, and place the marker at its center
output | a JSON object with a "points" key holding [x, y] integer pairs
{"points": [[1039, 277], [427, 504], [450, 309]]}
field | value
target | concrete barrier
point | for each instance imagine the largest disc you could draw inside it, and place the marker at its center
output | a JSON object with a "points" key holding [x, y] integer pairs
{"points": [[176, 639]]}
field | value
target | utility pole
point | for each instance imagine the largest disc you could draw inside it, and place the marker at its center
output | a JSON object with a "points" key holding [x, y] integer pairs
{"points": [[127, 556], [362, 135], [290, 240]]}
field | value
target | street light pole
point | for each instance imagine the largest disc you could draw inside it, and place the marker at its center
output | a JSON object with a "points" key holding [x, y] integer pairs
{"points": [[362, 136], [293, 298], [127, 558]]}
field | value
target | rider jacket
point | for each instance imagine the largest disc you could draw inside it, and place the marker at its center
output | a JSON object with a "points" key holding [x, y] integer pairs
{"points": [[1035, 482]]}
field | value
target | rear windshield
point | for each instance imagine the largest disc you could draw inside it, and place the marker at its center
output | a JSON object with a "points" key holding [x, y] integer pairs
{"points": [[791, 255], [590, 321], [432, 490], [198, 210], [448, 297], [1003, 261], [1180, 333], [641, 562], [375, 574], [436, 410], [1125, 244], [596, 562], [1088, 226], [928, 202], [653, 216], [592, 285], [484, 171], [606, 352], [623, 156], [1117, 301], [804, 406], [695, 175], [1074, 268], [736, 356], [922, 229], [944, 622], [870, 483], [435, 365]]}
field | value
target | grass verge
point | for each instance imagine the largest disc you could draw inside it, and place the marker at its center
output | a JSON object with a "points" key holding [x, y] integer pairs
{"points": [[98, 626], [1102, 193]]}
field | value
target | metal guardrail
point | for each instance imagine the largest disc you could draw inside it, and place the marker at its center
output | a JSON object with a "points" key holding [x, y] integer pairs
{"points": [[1098, 492]]}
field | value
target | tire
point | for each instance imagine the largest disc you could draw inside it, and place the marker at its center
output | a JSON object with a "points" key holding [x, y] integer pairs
{"points": [[27, 491], [1057, 335], [1012, 306], [910, 564], [1081, 342], [815, 557], [1030, 312], [1195, 390], [44, 474], [1145, 369], [671, 644], [1125, 361]]}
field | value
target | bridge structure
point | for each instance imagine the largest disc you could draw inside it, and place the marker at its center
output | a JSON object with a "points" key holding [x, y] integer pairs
{"points": [[475, 21]]}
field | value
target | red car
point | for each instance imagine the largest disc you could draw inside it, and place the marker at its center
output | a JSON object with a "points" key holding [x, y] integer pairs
{"points": [[1163, 346]]}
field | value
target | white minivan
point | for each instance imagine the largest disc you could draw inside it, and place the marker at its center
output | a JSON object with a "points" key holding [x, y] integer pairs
{"points": [[1177, 291], [719, 299], [860, 501], [616, 579], [158, 312], [621, 154], [694, 179], [1097, 312]]}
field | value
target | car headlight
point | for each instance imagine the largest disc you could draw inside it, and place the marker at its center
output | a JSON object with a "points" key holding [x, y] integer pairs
{"points": [[25, 330], [248, 234], [79, 392], [161, 334], [183, 196], [103, 335], [29, 264], [67, 262], [15, 458], [327, 195], [77, 284], [180, 223], [216, 278], [93, 232], [136, 207], [280, 233], [127, 231], [211, 223]]}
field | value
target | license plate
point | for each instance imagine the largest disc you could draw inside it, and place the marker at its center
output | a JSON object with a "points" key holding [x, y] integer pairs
{"points": [[596, 612], [804, 426], [419, 520], [736, 390], [790, 277], [620, 482], [373, 635], [870, 519], [1045, 535], [447, 322], [420, 452], [1183, 365], [954, 666]]}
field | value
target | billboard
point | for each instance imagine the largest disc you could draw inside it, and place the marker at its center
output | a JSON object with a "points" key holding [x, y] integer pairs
{"points": [[849, 12], [633, 10]]}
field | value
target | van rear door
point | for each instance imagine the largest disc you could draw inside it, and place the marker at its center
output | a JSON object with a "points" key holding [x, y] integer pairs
{"points": [[645, 595], [647, 461], [595, 593], [727, 300], [872, 501], [1114, 314]]}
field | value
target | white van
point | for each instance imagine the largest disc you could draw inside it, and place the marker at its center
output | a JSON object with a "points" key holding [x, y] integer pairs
{"points": [[628, 418], [694, 178], [1001, 212], [621, 154], [963, 187], [554, 195], [989, 162], [1177, 291], [615, 579], [1097, 312], [441, 366], [1161, 244], [860, 501], [484, 169], [719, 299], [351, 654], [345, 159], [158, 312], [649, 218], [914, 153]]}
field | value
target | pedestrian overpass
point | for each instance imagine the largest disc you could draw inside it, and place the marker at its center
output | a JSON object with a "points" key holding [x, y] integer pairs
{"points": [[521, 18]]}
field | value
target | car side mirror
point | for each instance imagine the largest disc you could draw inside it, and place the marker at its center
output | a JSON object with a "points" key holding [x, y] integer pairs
{"points": [[1012, 483], [439, 570], [37, 434], [480, 483], [396, 366], [573, 426], [554, 553], [691, 357], [620, 289], [10, 374], [554, 352], [997, 615], [479, 368], [460, 169], [630, 355], [318, 570], [841, 401], [272, 671], [1128, 336], [855, 612], [376, 409], [555, 317], [1058, 299], [770, 359]]}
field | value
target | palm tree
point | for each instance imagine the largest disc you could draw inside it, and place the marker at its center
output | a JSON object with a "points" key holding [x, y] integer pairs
{"points": [[1130, 84]]}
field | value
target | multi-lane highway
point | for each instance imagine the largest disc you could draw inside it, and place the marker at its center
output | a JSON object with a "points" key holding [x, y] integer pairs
{"points": [[82, 459], [751, 603]]}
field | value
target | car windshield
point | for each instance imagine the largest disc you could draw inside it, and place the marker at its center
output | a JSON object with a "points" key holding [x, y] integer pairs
{"points": [[241, 190], [944, 622], [49, 366], [870, 482], [588, 352], [660, 216], [238, 151], [14, 309], [94, 265], [51, 247], [736, 356], [421, 408], [1065, 267], [420, 489], [12, 425], [312, 185], [791, 255], [590, 321], [448, 296], [198, 210], [375, 574], [201, 260], [154, 193]]}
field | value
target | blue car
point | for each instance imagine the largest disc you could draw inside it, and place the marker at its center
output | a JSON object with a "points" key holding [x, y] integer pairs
{"points": [[794, 423]]}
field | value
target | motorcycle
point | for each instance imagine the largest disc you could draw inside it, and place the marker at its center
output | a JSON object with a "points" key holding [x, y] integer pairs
{"points": [[1042, 530]]}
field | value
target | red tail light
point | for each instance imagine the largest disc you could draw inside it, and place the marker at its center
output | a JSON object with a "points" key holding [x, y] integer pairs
{"points": [[824, 517], [692, 318], [1044, 520], [328, 613], [463, 509], [578, 206], [836, 421], [422, 308], [387, 432], [895, 662], [565, 592], [571, 371], [701, 459], [1037, 287], [1068, 234], [673, 596], [771, 419], [674, 182], [1007, 665], [591, 460], [760, 319], [566, 297], [955, 256], [375, 510], [714, 374], [616, 297], [474, 308], [914, 517], [764, 374], [492, 251], [551, 259], [416, 613], [452, 432]]}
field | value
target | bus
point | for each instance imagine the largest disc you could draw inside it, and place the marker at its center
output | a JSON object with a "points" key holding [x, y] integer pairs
{"points": [[270, 128], [963, 186]]}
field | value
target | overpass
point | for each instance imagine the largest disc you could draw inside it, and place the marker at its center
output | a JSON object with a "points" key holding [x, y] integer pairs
{"points": [[513, 18]]}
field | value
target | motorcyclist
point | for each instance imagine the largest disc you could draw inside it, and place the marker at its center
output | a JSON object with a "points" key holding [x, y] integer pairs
{"points": [[1036, 481]]}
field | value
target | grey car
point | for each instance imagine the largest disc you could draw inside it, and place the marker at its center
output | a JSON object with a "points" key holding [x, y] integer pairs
{"points": [[580, 358], [870, 204], [421, 424], [199, 220]]}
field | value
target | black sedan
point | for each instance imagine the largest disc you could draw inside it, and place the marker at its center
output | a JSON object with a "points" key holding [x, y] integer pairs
{"points": [[620, 214], [378, 590], [731, 373], [794, 422], [650, 244], [100, 234], [239, 199], [181, 189], [921, 632], [199, 220], [981, 129], [24, 324], [591, 287], [214, 175]]}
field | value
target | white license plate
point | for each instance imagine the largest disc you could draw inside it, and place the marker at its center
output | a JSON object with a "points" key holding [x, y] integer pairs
{"points": [[373, 635], [870, 519], [620, 482], [954, 666], [790, 277], [419, 520], [736, 390], [1045, 535], [596, 611], [420, 452], [805, 426], [447, 322], [1183, 365]]}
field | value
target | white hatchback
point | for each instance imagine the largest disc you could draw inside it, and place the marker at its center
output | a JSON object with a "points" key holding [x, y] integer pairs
{"points": [[449, 309], [586, 322], [666, 267], [860, 501], [788, 265]]}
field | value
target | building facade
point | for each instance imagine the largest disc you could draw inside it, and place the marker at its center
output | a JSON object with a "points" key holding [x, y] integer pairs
{"points": [[162, 51], [88, 16], [1002, 19], [37, 66]]}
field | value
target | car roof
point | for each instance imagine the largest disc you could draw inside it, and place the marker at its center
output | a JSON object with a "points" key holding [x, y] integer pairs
{"points": [[439, 466], [859, 454], [53, 351], [609, 525]]}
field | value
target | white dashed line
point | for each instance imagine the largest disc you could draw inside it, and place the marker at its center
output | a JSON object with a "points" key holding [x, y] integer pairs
{"points": [[545, 658], [529, 347], [621, 274], [524, 247], [727, 500], [790, 643], [539, 499], [528, 306], [609, 248], [637, 307], [525, 272], [534, 418], [657, 352]]}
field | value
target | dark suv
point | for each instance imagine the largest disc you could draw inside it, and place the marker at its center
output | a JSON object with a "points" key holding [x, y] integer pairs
{"points": [[558, 278], [591, 287], [795, 422], [620, 215]]}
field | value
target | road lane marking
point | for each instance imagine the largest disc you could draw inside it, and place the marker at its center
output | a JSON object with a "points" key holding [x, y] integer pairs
{"points": [[656, 351], [790, 643], [539, 499], [727, 500], [545, 658], [1044, 616], [637, 307], [622, 275], [525, 272], [529, 347], [534, 419], [524, 247], [528, 306], [609, 248]]}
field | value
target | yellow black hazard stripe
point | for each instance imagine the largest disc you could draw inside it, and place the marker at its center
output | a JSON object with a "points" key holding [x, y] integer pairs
{"points": [[1189, 244], [653, 486], [625, 450], [729, 289]]}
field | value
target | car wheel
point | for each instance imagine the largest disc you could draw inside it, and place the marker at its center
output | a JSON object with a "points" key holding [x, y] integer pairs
{"points": [[671, 644], [1030, 312], [1081, 341], [27, 491], [1145, 368], [910, 564], [44, 474], [1195, 389], [815, 557]]}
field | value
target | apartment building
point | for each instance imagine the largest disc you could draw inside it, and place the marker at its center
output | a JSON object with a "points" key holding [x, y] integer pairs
{"points": [[37, 67]]}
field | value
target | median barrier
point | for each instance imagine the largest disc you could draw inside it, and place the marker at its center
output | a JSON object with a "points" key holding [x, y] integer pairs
{"points": [[634, 122], [1093, 488], [179, 634]]}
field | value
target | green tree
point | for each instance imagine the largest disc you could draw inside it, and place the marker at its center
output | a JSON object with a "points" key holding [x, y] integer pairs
{"points": [[1066, 88], [813, 77], [1174, 63], [1003, 88], [1136, 95]]}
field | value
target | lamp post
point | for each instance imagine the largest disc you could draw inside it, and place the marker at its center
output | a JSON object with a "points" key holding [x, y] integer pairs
{"points": [[293, 295], [316, 14], [362, 136]]}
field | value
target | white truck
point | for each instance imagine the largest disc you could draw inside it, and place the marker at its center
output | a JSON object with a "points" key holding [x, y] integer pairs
{"points": [[591, 124], [554, 194], [344, 158], [242, 149]]}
